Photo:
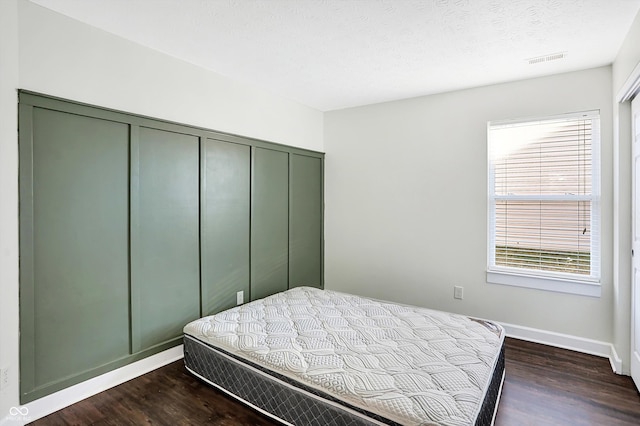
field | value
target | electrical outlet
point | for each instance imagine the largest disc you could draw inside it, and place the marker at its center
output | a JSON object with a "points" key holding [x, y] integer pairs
{"points": [[457, 292], [4, 377], [240, 298]]}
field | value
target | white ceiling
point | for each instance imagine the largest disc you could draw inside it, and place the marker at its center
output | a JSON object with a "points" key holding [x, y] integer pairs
{"points": [[333, 54]]}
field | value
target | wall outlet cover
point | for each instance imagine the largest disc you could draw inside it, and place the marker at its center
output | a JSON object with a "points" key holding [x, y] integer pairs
{"points": [[457, 292], [4, 377]]}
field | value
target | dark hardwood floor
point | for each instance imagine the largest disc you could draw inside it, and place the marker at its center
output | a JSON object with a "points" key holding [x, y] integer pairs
{"points": [[551, 386], [543, 386]]}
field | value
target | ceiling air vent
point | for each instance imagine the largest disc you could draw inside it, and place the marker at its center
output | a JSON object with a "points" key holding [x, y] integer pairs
{"points": [[547, 58]]}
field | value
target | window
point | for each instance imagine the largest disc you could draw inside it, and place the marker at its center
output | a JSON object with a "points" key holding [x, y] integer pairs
{"points": [[544, 212]]}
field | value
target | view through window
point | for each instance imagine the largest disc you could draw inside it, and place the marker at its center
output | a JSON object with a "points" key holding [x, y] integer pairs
{"points": [[544, 196]]}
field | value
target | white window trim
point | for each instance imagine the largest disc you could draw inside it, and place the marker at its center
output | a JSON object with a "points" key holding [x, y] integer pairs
{"points": [[555, 284], [541, 280]]}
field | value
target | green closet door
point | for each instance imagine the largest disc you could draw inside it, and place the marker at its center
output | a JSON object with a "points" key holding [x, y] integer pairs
{"points": [[75, 305], [226, 186], [165, 235], [305, 221], [269, 222]]}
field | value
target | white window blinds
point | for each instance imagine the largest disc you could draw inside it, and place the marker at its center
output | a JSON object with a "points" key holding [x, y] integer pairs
{"points": [[544, 213]]}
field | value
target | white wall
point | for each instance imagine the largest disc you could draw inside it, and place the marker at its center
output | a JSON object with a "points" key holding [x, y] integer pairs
{"points": [[406, 203], [627, 59], [45, 52], [628, 56], [63, 57], [8, 202]]}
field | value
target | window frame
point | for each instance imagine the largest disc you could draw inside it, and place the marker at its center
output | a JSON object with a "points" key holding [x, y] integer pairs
{"points": [[587, 285]]}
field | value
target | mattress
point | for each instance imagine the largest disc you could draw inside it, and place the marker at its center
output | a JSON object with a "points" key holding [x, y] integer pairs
{"points": [[317, 357]]}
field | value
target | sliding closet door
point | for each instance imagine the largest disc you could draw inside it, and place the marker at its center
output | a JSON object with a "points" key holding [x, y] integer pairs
{"points": [[305, 222], [226, 185], [165, 277], [74, 295], [269, 222]]}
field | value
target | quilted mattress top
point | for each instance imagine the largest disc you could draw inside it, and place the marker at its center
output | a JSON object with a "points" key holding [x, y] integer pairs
{"points": [[408, 364]]}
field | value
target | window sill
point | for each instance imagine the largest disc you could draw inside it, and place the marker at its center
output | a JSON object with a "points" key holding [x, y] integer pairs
{"points": [[558, 285]]}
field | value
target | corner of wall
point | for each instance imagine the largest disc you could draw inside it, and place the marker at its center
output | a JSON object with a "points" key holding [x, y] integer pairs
{"points": [[624, 67], [565, 341], [616, 361], [63, 398], [9, 331], [57, 53]]}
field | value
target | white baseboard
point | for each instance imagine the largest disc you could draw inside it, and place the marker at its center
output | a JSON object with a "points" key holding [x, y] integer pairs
{"points": [[58, 400], [616, 361], [566, 341]]}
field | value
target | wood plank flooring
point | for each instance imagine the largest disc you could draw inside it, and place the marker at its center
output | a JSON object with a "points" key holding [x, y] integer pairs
{"points": [[551, 386], [543, 386]]}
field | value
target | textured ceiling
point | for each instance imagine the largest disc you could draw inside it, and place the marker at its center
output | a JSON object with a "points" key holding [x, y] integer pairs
{"points": [[332, 54]]}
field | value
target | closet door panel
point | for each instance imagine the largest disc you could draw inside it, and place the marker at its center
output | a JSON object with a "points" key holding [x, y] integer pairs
{"points": [[225, 237], [269, 222], [80, 246], [165, 235], [305, 221]]}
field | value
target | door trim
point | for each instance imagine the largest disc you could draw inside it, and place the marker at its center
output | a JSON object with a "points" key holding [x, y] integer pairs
{"points": [[631, 86], [634, 362]]}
